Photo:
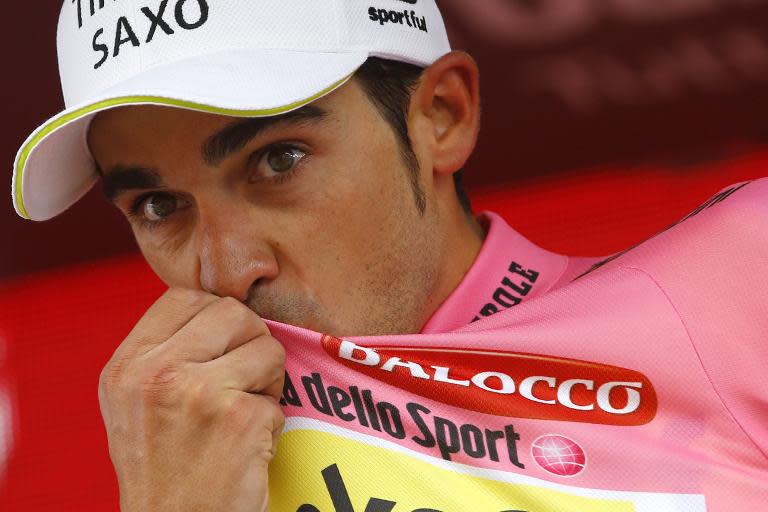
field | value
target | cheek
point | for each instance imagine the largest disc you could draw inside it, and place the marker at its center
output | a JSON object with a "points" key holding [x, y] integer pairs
{"points": [[170, 262], [359, 211], [357, 233]]}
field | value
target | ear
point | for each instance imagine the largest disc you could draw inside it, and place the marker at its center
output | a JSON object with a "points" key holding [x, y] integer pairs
{"points": [[444, 115]]}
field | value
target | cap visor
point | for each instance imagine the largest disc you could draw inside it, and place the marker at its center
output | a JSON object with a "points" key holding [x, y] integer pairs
{"points": [[54, 168]]}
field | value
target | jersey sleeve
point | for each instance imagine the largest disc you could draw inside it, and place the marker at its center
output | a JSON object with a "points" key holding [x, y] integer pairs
{"points": [[713, 268]]}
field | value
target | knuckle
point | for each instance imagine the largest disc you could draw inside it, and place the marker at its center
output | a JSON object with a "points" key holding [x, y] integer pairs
{"points": [[270, 413], [278, 378], [116, 367], [225, 309], [239, 410], [185, 295], [115, 378], [271, 359], [278, 421], [269, 434], [110, 376], [158, 387], [279, 353], [240, 314], [231, 307], [254, 323], [183, 298], [202, 400], [253, 414], [273, 352]]}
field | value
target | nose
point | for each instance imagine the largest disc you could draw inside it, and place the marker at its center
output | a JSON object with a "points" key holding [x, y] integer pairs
{"points": [[233, 254]]}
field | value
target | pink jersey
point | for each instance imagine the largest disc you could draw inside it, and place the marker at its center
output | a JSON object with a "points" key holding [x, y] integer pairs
{"points": [[548, 383]]}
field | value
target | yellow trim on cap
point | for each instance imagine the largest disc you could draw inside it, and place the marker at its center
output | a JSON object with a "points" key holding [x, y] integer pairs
{"points": [[57, 123]]}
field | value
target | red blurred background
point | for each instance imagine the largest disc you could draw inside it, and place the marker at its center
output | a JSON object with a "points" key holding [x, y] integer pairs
{"points": [[604, 121]]}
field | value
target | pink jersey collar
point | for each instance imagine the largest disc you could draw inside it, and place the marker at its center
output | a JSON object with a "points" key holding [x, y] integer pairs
{"points": [[508, 270]]}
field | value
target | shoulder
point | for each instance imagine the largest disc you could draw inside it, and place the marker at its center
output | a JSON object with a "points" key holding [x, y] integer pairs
{"points": [[716, 252], [712, 268], [729, 228], [741, 208], [732, 224], [741, 204]]}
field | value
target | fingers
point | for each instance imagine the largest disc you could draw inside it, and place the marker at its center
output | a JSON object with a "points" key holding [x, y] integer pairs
{"points": [[257, 366], [259, 420], [220, 327], [198, 375], [174, 309]]}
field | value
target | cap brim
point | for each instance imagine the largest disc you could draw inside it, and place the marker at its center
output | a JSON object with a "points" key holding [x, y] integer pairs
{"points": [[54, 167]]}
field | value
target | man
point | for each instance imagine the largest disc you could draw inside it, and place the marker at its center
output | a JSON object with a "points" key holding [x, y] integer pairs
{"points": [[296, 162]]}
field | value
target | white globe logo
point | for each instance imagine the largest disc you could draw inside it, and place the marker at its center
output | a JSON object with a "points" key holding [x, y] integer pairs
{"points": [[559, 455]]}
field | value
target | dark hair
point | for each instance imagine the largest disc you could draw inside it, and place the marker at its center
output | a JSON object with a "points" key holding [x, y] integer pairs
{"points": [[389, 85]]}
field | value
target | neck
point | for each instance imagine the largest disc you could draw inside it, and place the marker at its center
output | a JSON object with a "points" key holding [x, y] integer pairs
{"points": [[462, 240]]}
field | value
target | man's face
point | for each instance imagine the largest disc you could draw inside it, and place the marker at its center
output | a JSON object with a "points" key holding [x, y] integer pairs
{"points": [[310, 220]]}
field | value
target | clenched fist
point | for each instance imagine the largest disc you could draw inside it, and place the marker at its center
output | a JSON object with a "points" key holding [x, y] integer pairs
{"points": [[190, 404]]}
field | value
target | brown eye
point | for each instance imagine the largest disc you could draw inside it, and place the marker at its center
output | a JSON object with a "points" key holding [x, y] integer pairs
{"points": [[283, 159], [158, 207]]}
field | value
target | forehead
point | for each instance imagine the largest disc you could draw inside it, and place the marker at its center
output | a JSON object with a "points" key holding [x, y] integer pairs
{"points": [[150, 136], [138, 120], [147, 121]]}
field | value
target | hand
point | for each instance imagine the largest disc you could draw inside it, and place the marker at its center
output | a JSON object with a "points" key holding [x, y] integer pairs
{"points": [[190, 405]]}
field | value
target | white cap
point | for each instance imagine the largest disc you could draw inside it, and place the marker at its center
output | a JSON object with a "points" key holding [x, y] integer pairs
{"points": [[244, 58]]}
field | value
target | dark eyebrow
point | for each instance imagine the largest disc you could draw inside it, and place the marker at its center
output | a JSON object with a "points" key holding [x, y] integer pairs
{"points": [[235, 136], [121, 179]]}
